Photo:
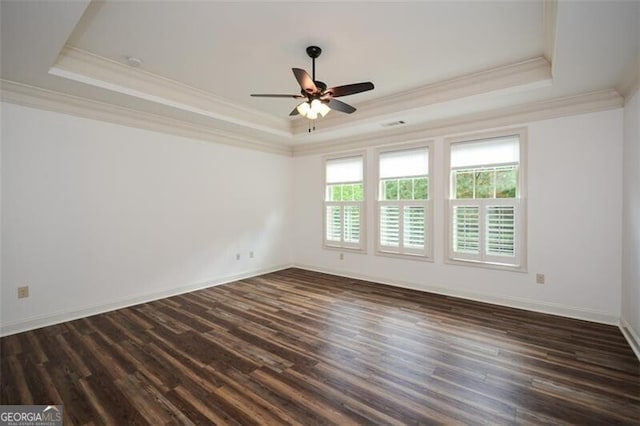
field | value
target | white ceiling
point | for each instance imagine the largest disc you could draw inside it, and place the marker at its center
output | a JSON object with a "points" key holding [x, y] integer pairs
{"points": [[428, 60]]}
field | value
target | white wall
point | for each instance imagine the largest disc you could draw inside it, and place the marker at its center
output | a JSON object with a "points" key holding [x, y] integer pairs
{"points": [[574, 168], [631, 218], [96, 215]]}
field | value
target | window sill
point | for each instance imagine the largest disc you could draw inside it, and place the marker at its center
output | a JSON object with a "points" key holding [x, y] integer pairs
{"points": [[486, 265], [345, 249], [418, 257]]}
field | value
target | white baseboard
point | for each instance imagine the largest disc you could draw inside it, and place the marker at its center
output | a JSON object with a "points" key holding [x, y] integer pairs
{"points": [[631, 335], [512, 302], [51, 319]]}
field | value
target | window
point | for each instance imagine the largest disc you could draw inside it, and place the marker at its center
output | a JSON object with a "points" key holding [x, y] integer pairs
{"points": [[486, 201], [344, 203], [404, 207]]}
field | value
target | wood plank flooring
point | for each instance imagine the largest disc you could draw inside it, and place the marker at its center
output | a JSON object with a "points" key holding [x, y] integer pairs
{"points": [[299, 347]]}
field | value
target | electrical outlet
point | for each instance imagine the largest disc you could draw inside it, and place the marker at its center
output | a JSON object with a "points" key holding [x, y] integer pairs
{"points": [[539, 278], [237, 256], [23, 292], [341, 256], [251, 255]]}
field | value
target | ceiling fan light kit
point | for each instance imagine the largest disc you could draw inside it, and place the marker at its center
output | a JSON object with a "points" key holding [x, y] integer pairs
{"points": [[312, 109], [318, 100]]}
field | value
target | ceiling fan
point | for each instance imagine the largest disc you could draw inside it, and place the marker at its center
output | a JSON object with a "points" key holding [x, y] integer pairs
{"points": [[318, 100]]}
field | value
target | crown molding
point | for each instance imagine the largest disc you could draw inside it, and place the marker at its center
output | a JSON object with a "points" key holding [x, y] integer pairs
{"points": [[534, 72], [503, 117], [549, 30], [85, 67], [630, 80], [35, 97]]}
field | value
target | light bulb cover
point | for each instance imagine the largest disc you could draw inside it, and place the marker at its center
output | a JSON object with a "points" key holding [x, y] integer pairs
{"points": [[304, 108], [311, 110], [315, 105], [324, 109]]}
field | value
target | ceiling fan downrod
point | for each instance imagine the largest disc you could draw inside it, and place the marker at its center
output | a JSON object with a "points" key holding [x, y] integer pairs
{"points": [[313, 52]]}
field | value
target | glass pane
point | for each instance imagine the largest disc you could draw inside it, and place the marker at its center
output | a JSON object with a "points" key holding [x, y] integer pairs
{"points": [[351, 224], [389, 226], [405, 187], [466, 229], [358, 192], [501, 231], [347, 192], [334, 193], [390, 189], [420, 188], [413, 235], [463, 181], [333, 226], [484, 183], [506, 182]]}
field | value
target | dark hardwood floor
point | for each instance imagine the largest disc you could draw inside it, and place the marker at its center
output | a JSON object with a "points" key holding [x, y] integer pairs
{"points": [[298, 347]]}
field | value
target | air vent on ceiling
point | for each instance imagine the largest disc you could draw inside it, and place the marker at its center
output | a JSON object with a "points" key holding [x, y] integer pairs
{"points": [[393, 123]]}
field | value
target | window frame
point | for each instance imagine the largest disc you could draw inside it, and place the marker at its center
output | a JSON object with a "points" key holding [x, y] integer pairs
{"points": [[484, 260], [361, 246], [425, 254]]}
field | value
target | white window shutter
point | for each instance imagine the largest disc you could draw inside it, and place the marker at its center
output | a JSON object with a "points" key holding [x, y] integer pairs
{"points": [[500, 231], [414, 227], [389, 226], [333, 224], [466, 230], [352, 224]]}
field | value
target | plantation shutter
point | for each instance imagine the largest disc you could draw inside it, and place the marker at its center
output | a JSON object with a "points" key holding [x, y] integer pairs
{"points": [[500, 230], [466, 230], [414, 227], [352, 224], [390, 226], [334, 223]]}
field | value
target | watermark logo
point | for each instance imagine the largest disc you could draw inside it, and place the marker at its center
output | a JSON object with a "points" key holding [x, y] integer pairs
{"points": [[30, 415]]}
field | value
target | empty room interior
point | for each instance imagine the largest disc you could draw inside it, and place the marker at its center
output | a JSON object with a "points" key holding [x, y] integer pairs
{"points": [[320, 212]]}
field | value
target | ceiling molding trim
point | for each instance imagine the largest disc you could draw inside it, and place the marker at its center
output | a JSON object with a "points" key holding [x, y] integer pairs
{"points": [[503, 117], [550, 30], [85, 67], [534, 72], [35, 97], [630, 80]]}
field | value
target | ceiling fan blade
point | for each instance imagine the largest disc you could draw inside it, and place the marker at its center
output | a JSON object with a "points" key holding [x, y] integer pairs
{"points": [[304, 80], [270, 95], [340, 106], [294, 112], [349, 89]]}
